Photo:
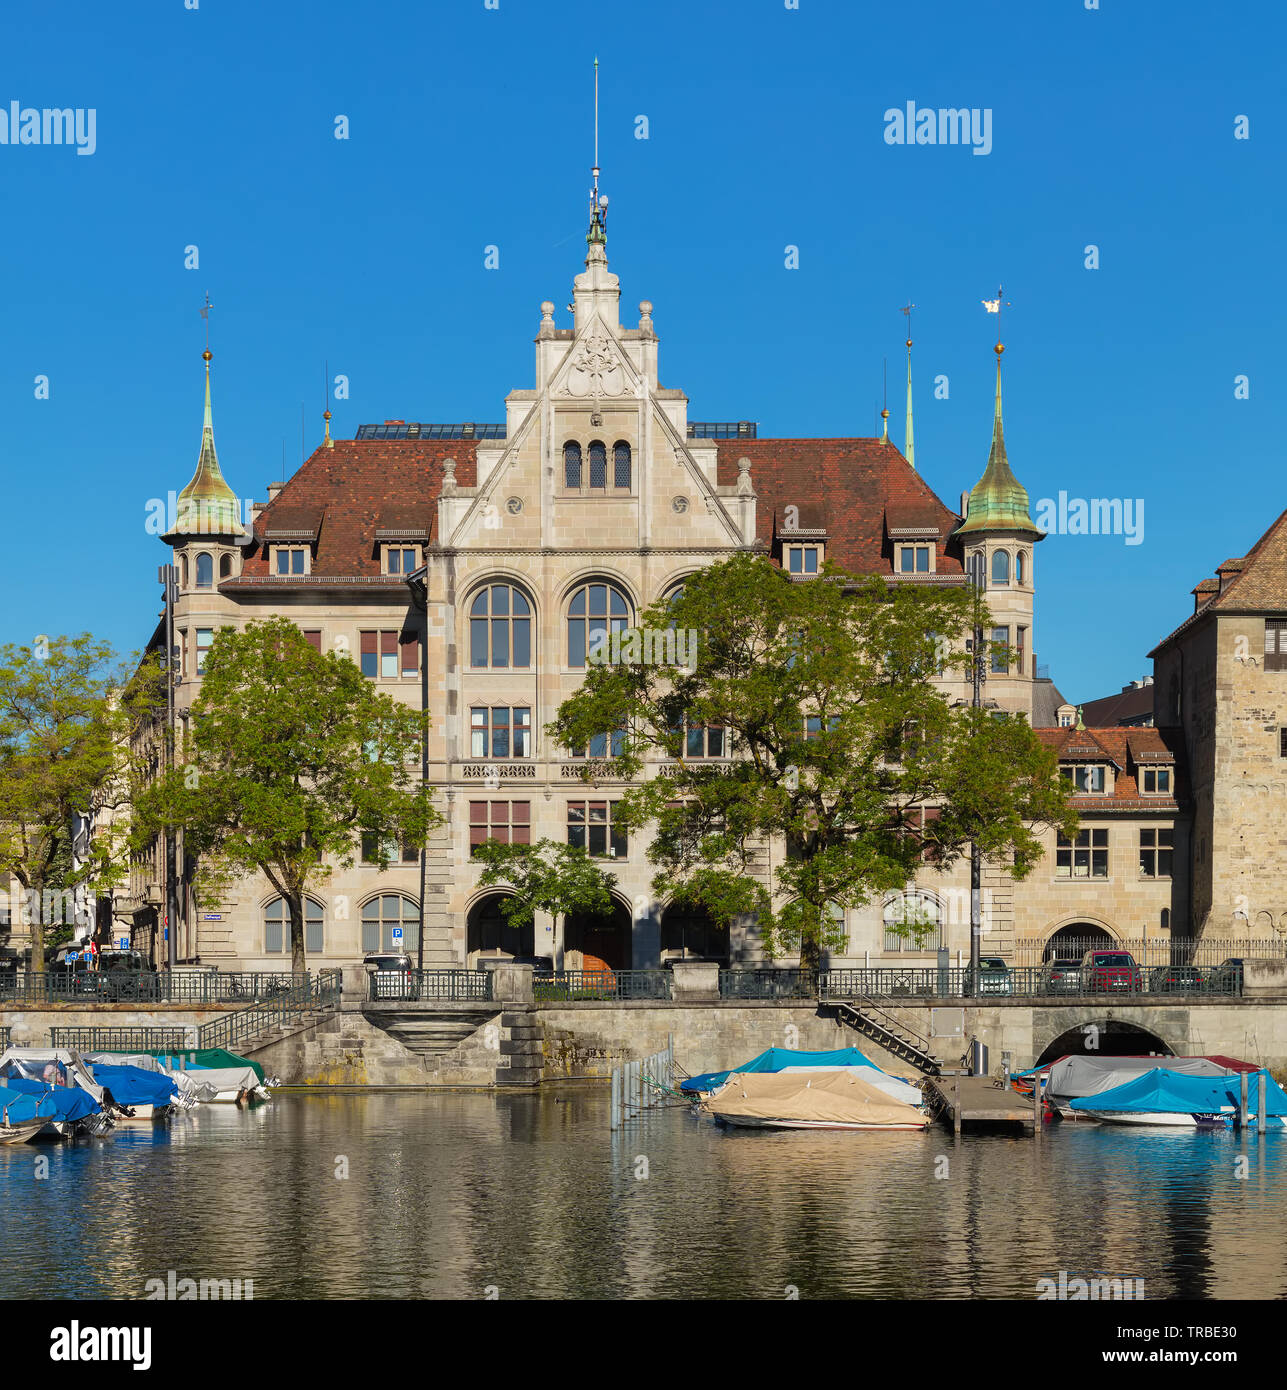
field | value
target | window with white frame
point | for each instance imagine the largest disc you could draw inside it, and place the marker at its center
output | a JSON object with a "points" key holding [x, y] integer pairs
{"points": [[500, 731]]}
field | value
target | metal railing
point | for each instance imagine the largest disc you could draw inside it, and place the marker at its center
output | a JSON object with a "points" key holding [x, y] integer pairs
{"points": [[783, 983], [570, 985], [5, 1035], [143, 987], [431, 984], [306, 994], [1151, 951], [119, 1039], [929, 982]]}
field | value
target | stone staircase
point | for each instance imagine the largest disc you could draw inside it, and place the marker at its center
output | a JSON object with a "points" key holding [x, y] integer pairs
{"points": [[431, 1032]]}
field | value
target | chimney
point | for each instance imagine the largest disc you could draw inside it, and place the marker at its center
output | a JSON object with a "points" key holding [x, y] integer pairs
{"points": [[965, 505], [274, 489]]}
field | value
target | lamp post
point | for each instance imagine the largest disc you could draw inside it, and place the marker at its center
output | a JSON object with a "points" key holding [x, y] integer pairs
{"points": [[168, 575]]}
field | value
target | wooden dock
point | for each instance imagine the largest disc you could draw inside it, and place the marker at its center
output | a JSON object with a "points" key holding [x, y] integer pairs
{"points": [[977, 1100]]}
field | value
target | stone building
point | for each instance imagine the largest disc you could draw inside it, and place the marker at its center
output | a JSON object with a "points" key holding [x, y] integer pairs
{"points": [[469, 566], [1221, 679]]}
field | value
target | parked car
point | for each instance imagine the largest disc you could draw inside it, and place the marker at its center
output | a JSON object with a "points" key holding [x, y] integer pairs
{"points": [[994, 976], [1110, 972], [1177, 979], [392, 975], [1060, 977]]}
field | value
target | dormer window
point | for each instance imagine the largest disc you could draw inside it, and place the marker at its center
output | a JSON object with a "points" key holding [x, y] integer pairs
{"points": [[290, 559], [1087, 778], [804, 559], [1156, 781], [915, 559], [401, 559]]}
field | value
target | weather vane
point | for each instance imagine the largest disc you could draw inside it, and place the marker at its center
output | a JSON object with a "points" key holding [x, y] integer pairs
{"points": [[994, 306]]}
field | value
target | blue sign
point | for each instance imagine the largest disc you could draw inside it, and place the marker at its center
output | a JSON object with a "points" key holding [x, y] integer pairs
{"points": [[125, 942], [397, 933]]}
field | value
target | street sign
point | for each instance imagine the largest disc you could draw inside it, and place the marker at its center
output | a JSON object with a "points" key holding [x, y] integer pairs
{"points": [[124, 943], [397, 933]]}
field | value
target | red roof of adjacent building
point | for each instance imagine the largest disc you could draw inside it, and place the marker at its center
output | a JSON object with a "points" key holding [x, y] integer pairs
{"points": [[1128, 749]]}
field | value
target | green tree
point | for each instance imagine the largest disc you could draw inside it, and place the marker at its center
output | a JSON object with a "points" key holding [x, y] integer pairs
{"points": [[544, 877], [843, 749], [292, 756], [68, 709]]}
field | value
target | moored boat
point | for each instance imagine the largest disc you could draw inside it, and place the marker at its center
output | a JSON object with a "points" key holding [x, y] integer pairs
{"points": [[22, 1116], [785, 1061], [1079, 1077], [1183, 1101], [811, 1098]]}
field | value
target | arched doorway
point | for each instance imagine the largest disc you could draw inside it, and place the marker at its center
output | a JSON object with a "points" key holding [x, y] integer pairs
{"points": [[1105, 1037], [604, 940], [490, 934], [1075, 940], [689, 932]]}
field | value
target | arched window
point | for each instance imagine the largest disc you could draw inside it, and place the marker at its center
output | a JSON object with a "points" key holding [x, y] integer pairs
{"points": [[500, 628], [183, 571], [571, 464], [621, 464], [1000, 566], [1020, 567], [225, 566], [598, 464], [389, 913], [1166, 919], [596, 611], [277, 928], [205, 571], [913, 922]]}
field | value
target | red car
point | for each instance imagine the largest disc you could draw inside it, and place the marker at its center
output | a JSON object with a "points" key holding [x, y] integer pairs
{"points": [[1110, 972]]}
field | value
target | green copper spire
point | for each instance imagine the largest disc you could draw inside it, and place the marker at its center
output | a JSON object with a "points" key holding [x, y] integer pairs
{"points": [[208, 506], [999, 502]]}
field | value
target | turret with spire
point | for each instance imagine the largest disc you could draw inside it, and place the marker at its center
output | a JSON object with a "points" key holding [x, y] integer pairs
{"points": [[998, 501], [207, 506]]}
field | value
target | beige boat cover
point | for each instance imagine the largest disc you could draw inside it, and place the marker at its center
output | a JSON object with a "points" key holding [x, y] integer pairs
{"points": [[816, 1095]]}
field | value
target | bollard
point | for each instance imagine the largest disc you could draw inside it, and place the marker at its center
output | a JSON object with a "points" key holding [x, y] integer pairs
{"points": [[956, 1109], [616, 1098], [1242, 1109], [1260, 1108]]}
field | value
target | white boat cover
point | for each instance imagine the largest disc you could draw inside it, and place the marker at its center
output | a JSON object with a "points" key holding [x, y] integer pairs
{"points": [[811, 1096], [893, 1086], [1072, 1077], [31, 1062]]}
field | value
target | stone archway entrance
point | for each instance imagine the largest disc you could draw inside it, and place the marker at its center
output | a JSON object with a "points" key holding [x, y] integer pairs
{"points": [[690, 933], [1075, 940], [489, 932], [1105, 1037], [604, 941]]}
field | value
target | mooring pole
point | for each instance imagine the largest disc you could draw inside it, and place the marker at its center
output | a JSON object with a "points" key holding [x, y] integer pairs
{"points": [[956, 1109], [616, 1096], [1242, 1111], [1036, 1104], [1260, 1108]]}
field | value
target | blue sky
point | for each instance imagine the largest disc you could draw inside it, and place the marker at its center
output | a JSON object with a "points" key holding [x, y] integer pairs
{"points": [[472, 126]]}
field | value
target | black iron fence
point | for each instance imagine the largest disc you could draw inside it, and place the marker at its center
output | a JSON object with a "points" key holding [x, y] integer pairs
{"points": [[768, 983], [567, 986], [4, 1037], [144, 987], [1150, 951], [431, 984], [120, 1039]]}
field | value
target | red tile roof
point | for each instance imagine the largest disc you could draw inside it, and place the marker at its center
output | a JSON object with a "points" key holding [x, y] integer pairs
{"points": [[353, 490], [1129, 748], [861, 487]]}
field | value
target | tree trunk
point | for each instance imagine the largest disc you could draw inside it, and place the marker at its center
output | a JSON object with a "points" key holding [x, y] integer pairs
{"points": [[810, 953], [33, 907], [295, 902]]}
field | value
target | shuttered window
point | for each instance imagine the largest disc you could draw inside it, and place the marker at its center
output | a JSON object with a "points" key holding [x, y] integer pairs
{"points": [[1276, 644]]}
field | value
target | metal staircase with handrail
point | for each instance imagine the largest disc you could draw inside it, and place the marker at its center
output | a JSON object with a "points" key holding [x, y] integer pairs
{"points": [[865, 1016]]}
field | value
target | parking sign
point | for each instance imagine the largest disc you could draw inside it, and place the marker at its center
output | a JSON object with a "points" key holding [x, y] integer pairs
{"points": [[397, 933]]}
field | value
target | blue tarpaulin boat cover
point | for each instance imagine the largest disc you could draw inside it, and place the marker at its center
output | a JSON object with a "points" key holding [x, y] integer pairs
{"points": [[1161, 1092], [16, 1107], [134, 1086], [70, 1102], [779, 1059]]}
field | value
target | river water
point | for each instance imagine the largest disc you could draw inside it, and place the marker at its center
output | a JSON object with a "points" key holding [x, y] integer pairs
{"points": [[455, 1195]]}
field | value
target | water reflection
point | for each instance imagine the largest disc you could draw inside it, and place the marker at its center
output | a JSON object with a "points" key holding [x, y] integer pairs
{"points": [[448, 1196]]}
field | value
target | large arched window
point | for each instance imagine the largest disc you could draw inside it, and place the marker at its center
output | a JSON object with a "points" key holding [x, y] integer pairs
{"points": [[621, 464], [596, 611], [598, 464], [205, 571], [571, 464], [500, 628], [913, 922], [225, 566], [387, 914], [1000, 567], [277, 928]]}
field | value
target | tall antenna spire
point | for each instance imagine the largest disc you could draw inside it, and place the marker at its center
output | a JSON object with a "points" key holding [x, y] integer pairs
{"points": [[598, 233], [884, 402], [327, 441], [909, 442]]}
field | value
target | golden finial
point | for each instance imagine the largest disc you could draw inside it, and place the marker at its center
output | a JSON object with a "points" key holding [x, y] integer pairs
{"points": [[999, 349], [207, 355]]}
